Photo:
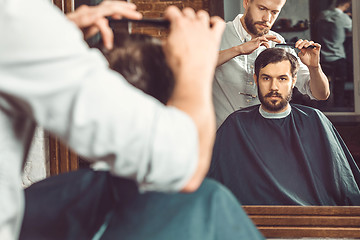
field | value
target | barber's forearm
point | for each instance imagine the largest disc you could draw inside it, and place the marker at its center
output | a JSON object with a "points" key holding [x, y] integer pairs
{"points": [[228, 54], [319, 83], [206, 131], [194, 98]]}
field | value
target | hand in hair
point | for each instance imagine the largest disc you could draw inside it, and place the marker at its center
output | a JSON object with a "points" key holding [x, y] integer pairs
{"points": [[92, 20], [192, 51]]}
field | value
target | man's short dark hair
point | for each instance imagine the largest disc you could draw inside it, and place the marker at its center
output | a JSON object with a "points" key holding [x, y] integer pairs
{"points": [[341, 2], [275, 55], [141, 60]]}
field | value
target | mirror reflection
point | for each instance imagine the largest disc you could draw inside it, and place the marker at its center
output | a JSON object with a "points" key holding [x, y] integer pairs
{"points": [[330, 25], [296, 138], [333, 30], [276, 154]]}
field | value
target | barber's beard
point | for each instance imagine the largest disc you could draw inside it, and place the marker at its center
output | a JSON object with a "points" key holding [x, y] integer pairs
{"points": [[250, 25], [274, 105]]}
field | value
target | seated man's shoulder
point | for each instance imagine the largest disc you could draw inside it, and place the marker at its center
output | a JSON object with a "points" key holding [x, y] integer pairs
{"points": [[308, 112], [243, 113], [239, 118], [306, 109]]}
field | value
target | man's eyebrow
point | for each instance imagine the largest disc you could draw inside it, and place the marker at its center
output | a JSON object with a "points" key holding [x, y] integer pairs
{"points": [[280, 76], [264, 75], [259, 5], [275, 10], [284, 75]]}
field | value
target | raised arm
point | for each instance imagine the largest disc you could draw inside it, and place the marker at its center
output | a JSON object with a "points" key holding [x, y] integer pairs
{"points": [[192, 51], [92, 20], [245, 48], [319, 83]]}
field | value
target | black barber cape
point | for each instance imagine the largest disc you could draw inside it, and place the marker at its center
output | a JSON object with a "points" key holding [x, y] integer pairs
{"points": [[296, 160], [88, 204]]}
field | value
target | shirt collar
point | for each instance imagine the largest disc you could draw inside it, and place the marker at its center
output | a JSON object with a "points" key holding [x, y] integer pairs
{"points": [[240, 30], [274, 115], [338, 10]]}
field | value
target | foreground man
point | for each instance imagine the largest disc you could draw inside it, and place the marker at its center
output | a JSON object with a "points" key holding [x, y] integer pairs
{"points": [[282, 154], [50, 78], [243, 40]]}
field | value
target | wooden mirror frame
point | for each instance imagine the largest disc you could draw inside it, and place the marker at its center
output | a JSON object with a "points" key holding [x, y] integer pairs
{"points": [[62, 159], [306, 221]]}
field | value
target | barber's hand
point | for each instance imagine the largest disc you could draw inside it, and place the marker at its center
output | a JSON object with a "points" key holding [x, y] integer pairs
{"points": [[191, 51], [309, 56], [255, 43], [92, 20], [192, 45]]}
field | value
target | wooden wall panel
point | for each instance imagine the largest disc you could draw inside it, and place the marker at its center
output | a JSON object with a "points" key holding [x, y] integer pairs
{"points": [[156, 8], [62, 159]]}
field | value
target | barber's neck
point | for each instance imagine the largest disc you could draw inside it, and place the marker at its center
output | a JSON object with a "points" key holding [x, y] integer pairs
{"points": [[343, 7], [242, 22]]}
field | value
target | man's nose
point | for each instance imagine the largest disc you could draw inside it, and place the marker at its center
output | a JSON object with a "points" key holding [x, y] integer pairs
{"points": [[267, 16], [274, 85]]}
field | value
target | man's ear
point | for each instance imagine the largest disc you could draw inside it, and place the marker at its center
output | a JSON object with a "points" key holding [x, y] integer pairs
{"points": [[255, 79], [293, 82], [245, 3]]}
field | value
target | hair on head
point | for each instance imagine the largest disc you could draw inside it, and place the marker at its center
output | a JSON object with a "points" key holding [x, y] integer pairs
{"points": [[275, 55], [141, 60], [341, 2]]}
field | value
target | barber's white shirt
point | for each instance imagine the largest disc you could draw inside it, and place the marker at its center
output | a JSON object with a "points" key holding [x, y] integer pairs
{"points": [[49, 77], [234, 87]]}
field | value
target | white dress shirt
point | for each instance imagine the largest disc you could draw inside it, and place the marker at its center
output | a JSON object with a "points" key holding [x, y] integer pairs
{"points": [[332, 26]]}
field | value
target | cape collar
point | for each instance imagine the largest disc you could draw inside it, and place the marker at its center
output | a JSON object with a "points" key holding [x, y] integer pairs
{"points": [[274, 115]]}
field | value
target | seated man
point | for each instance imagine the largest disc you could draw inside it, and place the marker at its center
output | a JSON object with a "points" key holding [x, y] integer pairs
{"points": [[281, 154], [88, 204]]}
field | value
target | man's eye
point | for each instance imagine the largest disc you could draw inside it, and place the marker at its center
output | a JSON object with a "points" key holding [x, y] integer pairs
{"points": [[266, 78], [274, 12], [283, 79], [261, 8]]}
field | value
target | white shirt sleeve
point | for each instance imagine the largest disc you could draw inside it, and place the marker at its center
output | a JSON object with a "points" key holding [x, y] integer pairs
{"points": [[49, 74]]}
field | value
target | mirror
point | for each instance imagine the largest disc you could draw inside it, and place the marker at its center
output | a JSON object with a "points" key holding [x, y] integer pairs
{"points": [[297, 20], [302, 27]]}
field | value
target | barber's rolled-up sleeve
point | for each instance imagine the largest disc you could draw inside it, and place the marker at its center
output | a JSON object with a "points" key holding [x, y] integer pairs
{"points": [[53, 78]]}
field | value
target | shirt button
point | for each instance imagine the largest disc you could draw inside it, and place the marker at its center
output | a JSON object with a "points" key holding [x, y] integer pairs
{"points": [[252, 66], [251, 83], [248, 100]]}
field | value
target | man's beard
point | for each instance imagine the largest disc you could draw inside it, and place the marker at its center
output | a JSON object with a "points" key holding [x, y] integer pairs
{"points": [[250, 25], [274, 105]]}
